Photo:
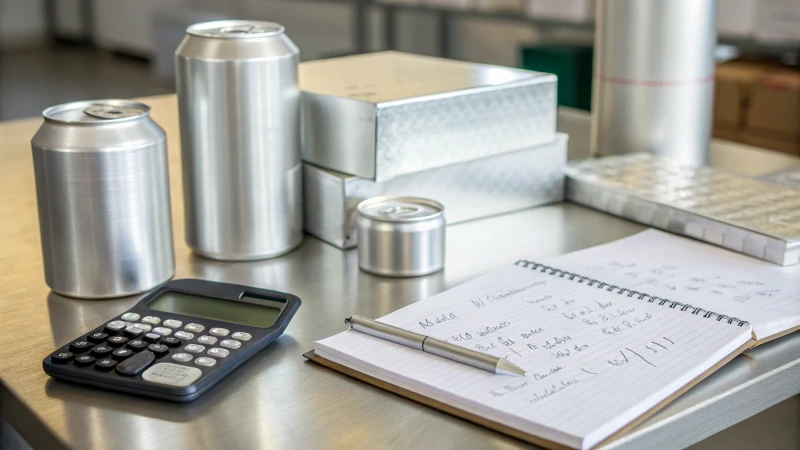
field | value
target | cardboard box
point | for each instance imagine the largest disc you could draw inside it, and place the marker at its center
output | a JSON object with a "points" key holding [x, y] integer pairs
{"points": [[775, 103], [734, 82], [772, 141], [778, 21], [737, 17], [564, 10]]}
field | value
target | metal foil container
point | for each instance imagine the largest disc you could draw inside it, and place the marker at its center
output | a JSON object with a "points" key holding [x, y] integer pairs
{"points": [[470, 190], [401, 236], [756, 218], [386, 114], [102, 185]]}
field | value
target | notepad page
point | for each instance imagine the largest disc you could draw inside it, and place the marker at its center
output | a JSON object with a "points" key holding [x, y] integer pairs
{"points": [[684, 270], [596, 360]]}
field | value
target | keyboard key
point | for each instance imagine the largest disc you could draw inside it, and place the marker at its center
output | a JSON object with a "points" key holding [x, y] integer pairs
{"points": [[152, 338], [136, 363], [182, 357], [184, 335], [171, 341], [105, 365], [142, 326], [130, 317], [231, 344], [101, 351], [97, 337], [117, 341], [151, 320], [80, 346], [173, 375], [61, 357], [242, 336], [133, 332], [114, 327], [203, 361], [121, 354], [194, 328], [172, 323], [194, 348], [163, 331], [137, 345], [158, 349], [219, 332], [207, 340], [218, 352], [84, 360]]}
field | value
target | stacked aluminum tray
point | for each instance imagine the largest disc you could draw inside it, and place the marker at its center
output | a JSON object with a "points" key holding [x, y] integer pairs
{"points": [[752, 217], [468, 191]]}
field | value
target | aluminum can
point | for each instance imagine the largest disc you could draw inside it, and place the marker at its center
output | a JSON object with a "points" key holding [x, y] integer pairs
{"points": [[239, 106], [102, 186], [400, 236], [654, 78]]}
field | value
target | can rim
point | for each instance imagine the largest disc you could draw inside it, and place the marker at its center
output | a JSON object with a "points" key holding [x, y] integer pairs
{"points": [[424, 201], [50, 113], [202, 29]]}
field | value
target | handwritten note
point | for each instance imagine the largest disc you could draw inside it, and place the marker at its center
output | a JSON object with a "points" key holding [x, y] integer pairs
{"points": [[596, 359]]}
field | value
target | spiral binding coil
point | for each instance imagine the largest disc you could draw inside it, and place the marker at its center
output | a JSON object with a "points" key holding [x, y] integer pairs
{"points": [[620, 290]]}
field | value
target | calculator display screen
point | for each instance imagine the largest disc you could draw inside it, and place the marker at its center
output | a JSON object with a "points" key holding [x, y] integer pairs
{"points": [[250, 311]]}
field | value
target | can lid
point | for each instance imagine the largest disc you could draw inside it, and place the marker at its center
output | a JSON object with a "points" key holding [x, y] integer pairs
{"points": [[235, 29], [97, 111], [400, 209]]}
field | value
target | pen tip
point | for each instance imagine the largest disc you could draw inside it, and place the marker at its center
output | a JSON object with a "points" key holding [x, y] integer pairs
{"points": [[506, 368]]}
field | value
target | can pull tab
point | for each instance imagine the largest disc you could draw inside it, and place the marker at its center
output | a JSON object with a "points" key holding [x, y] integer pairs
{"points": [[404, 210], [112, 111], [243, 29]]}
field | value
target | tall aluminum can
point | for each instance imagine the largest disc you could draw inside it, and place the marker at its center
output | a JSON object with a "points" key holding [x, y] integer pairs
{"points": [[239, 106], [400, 236], [102, 185], [654, 78]]}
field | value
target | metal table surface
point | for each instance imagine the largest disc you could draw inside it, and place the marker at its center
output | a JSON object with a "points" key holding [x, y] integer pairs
{"points": [[277, 399]]}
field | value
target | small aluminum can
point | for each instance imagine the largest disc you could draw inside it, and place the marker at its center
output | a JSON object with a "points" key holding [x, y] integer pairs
{"points": [[102, 186], [239, 106], [400, 236]]}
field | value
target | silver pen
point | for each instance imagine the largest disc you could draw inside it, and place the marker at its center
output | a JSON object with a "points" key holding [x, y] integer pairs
{"points": [[434, 346]]}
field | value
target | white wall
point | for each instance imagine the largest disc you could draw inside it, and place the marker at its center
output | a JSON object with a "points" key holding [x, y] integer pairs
{"points": [[22, 23]]}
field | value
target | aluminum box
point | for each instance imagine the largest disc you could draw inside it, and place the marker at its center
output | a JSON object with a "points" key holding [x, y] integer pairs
{"points": [[468, 191], [386, 114]]}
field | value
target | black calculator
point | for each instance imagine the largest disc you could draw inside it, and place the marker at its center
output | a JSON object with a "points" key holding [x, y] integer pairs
{"points": [[178, 341]]}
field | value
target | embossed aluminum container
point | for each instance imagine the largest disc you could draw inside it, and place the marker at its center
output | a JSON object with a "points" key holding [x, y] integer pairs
{"points": [[400, 236]]}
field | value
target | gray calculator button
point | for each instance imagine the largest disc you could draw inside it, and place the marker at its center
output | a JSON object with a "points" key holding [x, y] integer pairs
{"points": [[163, 331], [219, 331], [241, 336], [218, 352], [116, 325], [133, 331], [142, 326], [231, 344], [194, 327], [130, 317], [194, 348], [172, 323], [203, 361], [172, 374], [152, 320], [207, 340], [184, 335], [182, 357]]}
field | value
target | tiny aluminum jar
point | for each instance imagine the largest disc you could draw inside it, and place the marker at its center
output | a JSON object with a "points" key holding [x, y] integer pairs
{"points": [[400, 236]]}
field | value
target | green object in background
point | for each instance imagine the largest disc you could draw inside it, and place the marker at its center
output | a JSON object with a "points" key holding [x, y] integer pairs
{"points": [[573, 66]]}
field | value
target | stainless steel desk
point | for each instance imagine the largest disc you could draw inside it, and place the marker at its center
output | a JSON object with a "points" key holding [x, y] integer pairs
{"points": [[277, 400]]}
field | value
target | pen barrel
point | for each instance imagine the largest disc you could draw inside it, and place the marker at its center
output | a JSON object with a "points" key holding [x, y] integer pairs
{"points": [[460, 354], [387, 332]]}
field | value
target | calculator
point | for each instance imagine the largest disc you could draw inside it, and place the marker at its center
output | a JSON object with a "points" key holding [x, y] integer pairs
{"points": [[178, 341]]}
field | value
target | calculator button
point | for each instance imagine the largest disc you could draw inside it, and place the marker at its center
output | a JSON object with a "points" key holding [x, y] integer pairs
{"points": [[101, 351], [137, 344], [152, 338], [203, 361], [152, 320], [194, 328], [142, 326], [172, 323], [84, 360], [158, 349], [242, 336], [182, 357], [105, 365], [218, 352], [80, 346], [194, 348], [114, 326], [117, 341], [130, 317], [133, 332], [61, 357], [184, 335], [231, 344], [171, 341], [163, 331], [207, 340], [97, 337], [219, 331], [172, 375], [136, 363], [121, 354]]}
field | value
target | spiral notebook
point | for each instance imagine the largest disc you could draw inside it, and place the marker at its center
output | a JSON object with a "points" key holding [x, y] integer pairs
{"points": [[601, 354]]}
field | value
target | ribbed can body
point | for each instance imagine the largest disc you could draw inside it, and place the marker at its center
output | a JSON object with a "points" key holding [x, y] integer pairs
{"points": [[654, 78], [102, 186], [240, 137]]}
